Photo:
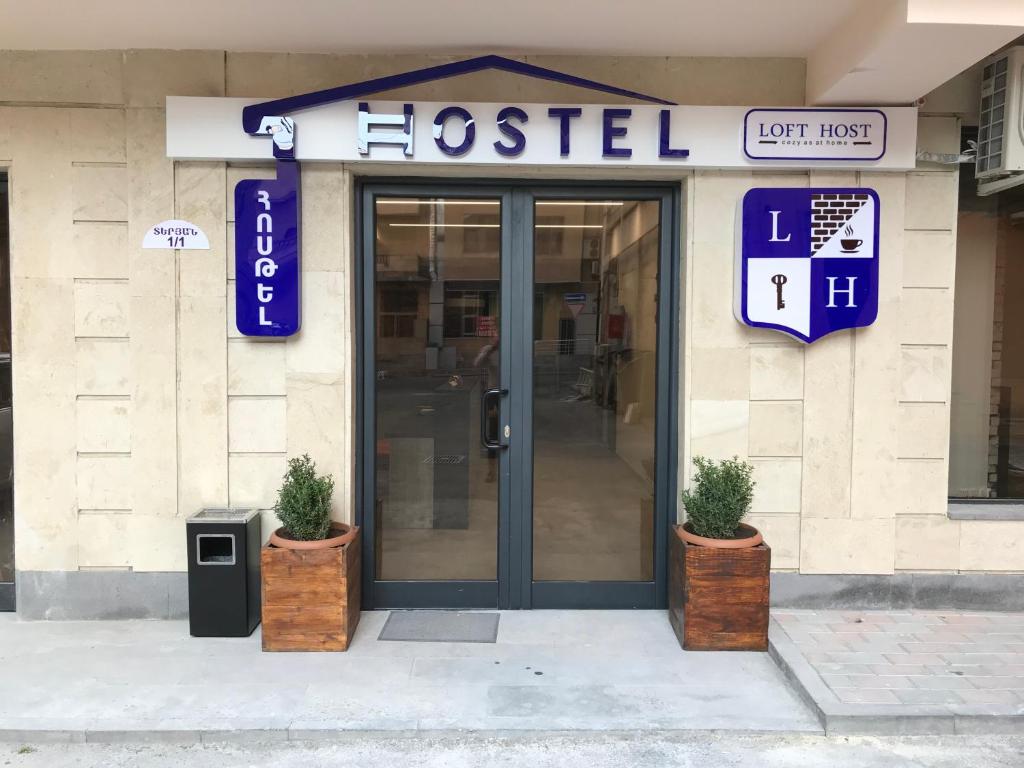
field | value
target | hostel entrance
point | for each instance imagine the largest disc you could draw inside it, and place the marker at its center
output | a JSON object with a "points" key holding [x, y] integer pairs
{"points": [[517, 424]]}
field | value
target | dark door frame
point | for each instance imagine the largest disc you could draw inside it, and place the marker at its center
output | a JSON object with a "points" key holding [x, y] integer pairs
{"points": [[7, 588], [514, 587]]}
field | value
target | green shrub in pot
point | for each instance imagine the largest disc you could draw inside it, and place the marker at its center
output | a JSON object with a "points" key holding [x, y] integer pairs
{"points": [[304, 501], [719, 497]]}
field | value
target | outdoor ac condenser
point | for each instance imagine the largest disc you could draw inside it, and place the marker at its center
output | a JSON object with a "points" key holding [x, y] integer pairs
{"points": [[1001, 123]]}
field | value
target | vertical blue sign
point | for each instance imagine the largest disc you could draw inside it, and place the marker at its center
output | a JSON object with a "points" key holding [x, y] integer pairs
{"points": [[807, 260], [267, 275]]}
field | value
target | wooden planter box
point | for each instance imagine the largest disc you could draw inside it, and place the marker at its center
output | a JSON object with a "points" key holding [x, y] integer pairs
{"points": [[718, 598], [310, 598]]}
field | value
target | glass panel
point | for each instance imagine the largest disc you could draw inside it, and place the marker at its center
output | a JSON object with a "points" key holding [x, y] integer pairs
{"points": [[594, 365], [436, 283], [986, 452]]}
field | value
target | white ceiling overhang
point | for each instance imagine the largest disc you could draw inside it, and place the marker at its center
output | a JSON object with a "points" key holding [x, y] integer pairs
{"points": [[857, 51], [895, 52]]}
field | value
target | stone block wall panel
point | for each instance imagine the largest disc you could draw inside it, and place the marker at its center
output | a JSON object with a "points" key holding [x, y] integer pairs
{"points": [[257, 425], [99, 191], [777, 486], [101, 308], [100, 250], [62, 77], [102, 540], [104, 482], [104, 425], [777, 372], [776, 428], [103, 367]]}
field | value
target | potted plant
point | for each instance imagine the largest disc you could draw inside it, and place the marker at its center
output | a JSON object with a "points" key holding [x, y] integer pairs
{"points": [[310, 568], [719, 566]]}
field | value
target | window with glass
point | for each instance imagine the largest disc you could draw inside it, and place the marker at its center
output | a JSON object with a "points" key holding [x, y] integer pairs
{"points": [[469, 312], [987, 403], [398, 311]]}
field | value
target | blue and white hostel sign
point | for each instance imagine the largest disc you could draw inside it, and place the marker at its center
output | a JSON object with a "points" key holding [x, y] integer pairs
{"points": [[350, 123], [807, 260]]}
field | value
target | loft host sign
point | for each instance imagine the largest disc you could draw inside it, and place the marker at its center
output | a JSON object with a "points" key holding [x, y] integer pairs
{"points": [[815, 134]]}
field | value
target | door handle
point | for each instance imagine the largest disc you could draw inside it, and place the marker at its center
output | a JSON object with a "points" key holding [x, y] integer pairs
{"points": [[491, 395]]}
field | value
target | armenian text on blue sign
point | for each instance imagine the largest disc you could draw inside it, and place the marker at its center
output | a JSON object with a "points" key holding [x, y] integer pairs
{"points": [[267, 279]]}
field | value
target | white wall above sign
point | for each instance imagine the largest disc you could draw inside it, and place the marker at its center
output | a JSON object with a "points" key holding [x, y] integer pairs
{"points": [[635, 136], [176, 234]]}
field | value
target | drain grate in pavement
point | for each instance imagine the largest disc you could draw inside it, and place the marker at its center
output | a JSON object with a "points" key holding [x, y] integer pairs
{"points": [[441, 627]]}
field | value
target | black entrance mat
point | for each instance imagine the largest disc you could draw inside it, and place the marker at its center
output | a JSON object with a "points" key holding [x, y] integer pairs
{"points": [[441, 627]]}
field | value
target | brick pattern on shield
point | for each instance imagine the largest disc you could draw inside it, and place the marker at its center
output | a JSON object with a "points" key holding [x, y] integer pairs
{"points": [[831, 211]]}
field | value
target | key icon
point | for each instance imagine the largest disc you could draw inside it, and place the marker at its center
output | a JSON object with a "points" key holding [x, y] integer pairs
{"points": [[779, 281]]}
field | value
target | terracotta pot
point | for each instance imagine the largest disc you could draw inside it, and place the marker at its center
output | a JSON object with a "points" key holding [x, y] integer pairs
{"points": [[750, 537], [339, 535]]}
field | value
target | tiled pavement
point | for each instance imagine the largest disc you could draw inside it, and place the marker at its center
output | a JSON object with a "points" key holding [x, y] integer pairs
{"points": [[933, 671]]}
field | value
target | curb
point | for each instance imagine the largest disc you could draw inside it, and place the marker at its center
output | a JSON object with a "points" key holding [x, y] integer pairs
{"points": [[188, 737], [840, 718]]}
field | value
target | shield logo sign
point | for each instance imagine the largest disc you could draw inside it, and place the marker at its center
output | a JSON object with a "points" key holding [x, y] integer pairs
{"points": [[807, 260]]}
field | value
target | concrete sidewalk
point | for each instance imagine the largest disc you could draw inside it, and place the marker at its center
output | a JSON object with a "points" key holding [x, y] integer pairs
{"points": [[549, 671], [903, 672]]}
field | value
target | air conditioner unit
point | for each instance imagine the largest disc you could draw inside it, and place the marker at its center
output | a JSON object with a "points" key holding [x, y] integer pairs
{"points": [[1001, 124]]}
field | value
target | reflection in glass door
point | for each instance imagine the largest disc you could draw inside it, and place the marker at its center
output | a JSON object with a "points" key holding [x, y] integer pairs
{"points": [[595, 343], [516, 423], [437, 355]]}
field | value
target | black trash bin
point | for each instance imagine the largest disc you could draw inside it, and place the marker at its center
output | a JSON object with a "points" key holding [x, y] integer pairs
{"points": [[223, 572]]}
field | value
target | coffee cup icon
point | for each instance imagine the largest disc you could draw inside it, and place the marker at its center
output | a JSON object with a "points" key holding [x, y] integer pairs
{"points": [[851, 244]]}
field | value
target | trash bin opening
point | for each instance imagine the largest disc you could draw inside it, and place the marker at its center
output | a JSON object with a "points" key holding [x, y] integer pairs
{"points": [[215, 549]]}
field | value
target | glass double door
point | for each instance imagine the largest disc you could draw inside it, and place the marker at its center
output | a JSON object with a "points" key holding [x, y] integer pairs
{"points": [[515, 431]]}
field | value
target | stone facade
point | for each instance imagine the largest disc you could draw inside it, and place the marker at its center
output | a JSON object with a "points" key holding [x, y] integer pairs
{"points": [[137, 402]]}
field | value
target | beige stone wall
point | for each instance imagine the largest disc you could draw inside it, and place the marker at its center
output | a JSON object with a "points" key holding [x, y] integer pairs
{"points": [[136, 401]]}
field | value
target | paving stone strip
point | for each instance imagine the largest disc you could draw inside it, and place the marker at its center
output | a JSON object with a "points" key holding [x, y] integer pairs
{"points": [[913, 671]]}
